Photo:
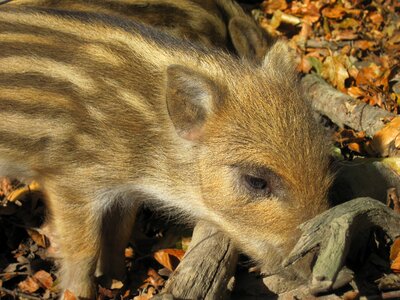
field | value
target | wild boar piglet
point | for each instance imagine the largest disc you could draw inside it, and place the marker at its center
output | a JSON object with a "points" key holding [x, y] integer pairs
{"points": [[107, 114]]}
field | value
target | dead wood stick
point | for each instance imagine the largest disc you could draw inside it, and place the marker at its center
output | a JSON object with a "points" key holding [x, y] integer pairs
{"points": [[334, 45], [343, 109], [391, 295], [16, 294], [207, 267], [334, 230]]}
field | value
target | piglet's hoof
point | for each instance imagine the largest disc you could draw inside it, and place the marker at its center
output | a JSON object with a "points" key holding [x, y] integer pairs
{"points": [[333, 231]]}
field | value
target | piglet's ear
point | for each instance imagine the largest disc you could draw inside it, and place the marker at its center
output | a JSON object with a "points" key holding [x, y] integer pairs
{"points": [[191, 98], [248, 39]]}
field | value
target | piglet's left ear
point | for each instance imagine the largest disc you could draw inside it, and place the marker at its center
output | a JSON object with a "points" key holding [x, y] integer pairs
{"points": [[249, 40], [191, 98]]}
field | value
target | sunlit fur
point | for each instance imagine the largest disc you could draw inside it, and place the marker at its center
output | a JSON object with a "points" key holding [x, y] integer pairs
{"points": [[200, 21], [84, 112], [217, 23]]}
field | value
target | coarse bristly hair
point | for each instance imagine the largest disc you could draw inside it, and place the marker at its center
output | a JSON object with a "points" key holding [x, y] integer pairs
{"points": [[108, 114]]}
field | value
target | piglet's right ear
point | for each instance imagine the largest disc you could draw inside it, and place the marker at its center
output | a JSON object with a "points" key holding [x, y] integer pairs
{"points": [[191, 98]]}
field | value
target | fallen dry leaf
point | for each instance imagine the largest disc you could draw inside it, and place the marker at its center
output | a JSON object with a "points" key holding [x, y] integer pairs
{"points": [[348, 23], [334, 12], [373, 75], [19, 193], [129, 253], [270, 6], [365, 45], [154, 279], [29, 285], [395, 266], [344, 35], [356, 147], [38, 238], [166, 257], [104, 293], [385, 138], [44, 279], [375, 17], [141, 297], [116, 284], [351, 295], [335, 70], [355, 92], [68, 295]]}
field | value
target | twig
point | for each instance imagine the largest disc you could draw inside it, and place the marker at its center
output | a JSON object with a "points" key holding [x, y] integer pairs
{"points": [[325, 44], [16, 294], [391, 295], [343, 109], [14, 274], [281, 17]]}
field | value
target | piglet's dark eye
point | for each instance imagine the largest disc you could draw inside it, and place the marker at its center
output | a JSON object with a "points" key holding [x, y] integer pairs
{"points": [[256, 184]]}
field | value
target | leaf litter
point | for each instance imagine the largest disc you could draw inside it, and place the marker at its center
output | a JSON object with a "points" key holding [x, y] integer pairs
{"points": [[352, 44], [28, 256]]}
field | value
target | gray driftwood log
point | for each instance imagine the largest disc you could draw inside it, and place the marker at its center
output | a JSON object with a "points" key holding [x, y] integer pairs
{"points": [[334, 230], [343, 109], [207, 268]]}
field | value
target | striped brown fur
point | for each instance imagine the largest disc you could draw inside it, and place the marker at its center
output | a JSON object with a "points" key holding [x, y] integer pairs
{"points": [[194, 20], [216, 23], [107, 113]]}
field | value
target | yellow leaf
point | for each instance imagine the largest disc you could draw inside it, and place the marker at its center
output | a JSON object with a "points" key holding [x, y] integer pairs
{"points": [[335, 70], [116, 284], [19, 193], [386, 136]]}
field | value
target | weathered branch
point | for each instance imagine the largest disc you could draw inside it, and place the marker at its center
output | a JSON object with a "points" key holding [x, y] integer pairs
{"points": [[207, 267], [334, 230], [333, 45], [343, 109], [18, 295]]}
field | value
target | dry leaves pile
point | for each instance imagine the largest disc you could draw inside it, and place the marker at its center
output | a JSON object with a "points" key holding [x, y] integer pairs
{"points": [[353, 44], [28, 261]]}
